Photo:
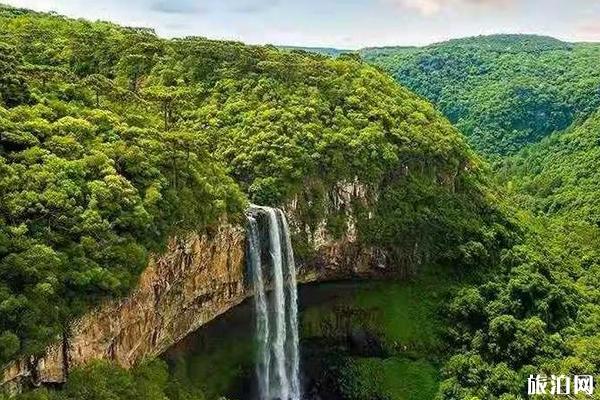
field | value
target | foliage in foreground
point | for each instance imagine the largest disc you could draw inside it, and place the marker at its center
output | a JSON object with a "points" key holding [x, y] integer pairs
{"points": [[535, 313], [103, 381]]}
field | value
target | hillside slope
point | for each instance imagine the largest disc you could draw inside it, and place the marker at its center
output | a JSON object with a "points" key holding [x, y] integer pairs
{"points": [[560, 175], [502, 91], [113, 139]]}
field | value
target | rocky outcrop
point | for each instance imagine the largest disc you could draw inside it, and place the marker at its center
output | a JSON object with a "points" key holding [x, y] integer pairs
{"points": [[194, 281], [341, 254]]}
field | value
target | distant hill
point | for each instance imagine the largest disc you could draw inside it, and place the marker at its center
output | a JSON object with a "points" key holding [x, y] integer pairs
{"points": [[386, 50], [326, 51], [502, 91]]}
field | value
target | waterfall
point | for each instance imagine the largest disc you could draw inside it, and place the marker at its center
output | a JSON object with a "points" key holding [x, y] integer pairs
{"points": [[278, 305], [294, 356], [262, 316], [278, 360]]}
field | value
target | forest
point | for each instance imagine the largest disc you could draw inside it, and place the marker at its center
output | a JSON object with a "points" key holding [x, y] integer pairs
{"points": [[530, 105], [113, 139], [502, 91]]}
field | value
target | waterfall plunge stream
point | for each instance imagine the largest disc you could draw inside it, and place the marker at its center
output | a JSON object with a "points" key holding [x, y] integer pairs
{"points": [[278, 361]]}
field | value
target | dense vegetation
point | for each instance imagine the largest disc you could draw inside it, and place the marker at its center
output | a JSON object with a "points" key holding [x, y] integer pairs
{"points": [[502, 91], [326, 51], [534, 310], [111, 139], [559, 176], [101, 380], [539, 312], [86, 189]]}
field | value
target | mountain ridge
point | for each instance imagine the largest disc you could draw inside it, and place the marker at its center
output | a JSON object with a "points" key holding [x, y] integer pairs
{"points": [[502, 91]]}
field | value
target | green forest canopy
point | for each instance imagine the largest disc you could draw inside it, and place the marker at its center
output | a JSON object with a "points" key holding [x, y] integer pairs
{"points": [[559, 176], [502, 91], [112, 139]]}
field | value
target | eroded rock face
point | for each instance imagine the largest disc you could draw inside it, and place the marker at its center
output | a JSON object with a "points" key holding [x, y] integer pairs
{"points": [[342, 255], [194, 281]]}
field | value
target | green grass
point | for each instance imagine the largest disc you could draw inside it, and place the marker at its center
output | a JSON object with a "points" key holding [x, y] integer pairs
{"points": [[393, 378], [403, 316]]}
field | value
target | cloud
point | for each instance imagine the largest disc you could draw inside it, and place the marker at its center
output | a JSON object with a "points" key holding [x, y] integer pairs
{"points": [[176, 6], [194, 6], [431, 7], [252, 6], [588, 30]]}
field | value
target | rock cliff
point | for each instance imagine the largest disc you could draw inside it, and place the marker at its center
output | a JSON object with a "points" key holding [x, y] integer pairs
{"points": [[197, 278]]}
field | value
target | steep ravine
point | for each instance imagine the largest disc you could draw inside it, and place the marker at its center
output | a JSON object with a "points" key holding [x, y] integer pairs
{"points": [[198, 278]]}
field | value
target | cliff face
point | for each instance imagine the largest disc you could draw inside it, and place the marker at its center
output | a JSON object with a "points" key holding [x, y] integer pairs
{"points": [[194, 281]]}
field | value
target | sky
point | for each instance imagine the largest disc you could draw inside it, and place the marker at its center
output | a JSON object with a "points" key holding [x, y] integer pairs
{"points": [[346, 24]]}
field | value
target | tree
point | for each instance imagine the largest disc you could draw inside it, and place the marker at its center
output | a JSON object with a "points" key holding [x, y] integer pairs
{"points": [[139, 63], [13, 87], [9, 345], [169, 100], [45, 73], [99, 84]]}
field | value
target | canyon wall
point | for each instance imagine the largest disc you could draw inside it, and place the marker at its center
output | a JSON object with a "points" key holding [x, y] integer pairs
{"points": [[196, 279]]}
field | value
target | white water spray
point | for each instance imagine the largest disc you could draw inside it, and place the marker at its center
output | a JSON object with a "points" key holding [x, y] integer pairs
{"points": [[293, 343], [278, 305], [260, 306], [277, 319]]}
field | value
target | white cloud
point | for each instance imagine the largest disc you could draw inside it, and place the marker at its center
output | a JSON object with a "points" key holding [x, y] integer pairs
{"points": [[343, 23], [43, 5], [175, 6], [426, 7], [195, 6], [252, 6], [431, 7]]}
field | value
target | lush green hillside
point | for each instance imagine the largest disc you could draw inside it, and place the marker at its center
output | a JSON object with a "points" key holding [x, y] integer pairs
{"points": [[502, 91], [560, 175], [112, 138], [535, 310]]}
